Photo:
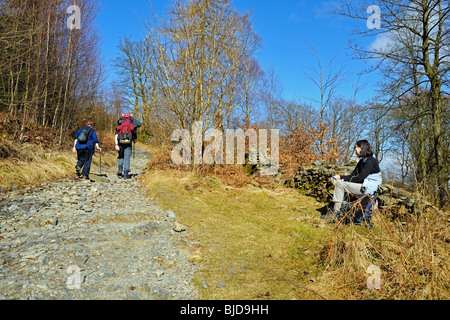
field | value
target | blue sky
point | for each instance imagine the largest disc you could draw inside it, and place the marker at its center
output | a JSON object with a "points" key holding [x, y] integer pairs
{"points": [[288, 29]]}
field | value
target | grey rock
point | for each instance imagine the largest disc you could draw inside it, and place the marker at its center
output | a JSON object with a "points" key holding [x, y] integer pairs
{"points": [[108, 273], [13, 208], [171, 215], [66, 199], [178, 227]]}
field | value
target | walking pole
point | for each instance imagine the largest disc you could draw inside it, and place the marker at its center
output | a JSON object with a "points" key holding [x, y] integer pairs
{"points": [[100, 155], [100, 174]]}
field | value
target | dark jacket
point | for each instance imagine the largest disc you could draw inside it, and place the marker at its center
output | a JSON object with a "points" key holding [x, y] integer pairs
{"points": [[362, 170], [368, 173], [90, 144]]}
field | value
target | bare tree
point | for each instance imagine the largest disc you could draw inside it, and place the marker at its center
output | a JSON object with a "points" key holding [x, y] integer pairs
{"points": [[327, 81], [49, 73], [415, 55], [250, 93], [271, 97], [197, 64]]}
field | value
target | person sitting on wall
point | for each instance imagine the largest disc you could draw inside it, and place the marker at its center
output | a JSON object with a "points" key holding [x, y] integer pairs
{"points": [[365, 179]]}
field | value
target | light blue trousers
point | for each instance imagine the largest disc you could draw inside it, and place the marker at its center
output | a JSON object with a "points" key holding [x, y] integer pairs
{"points": [[343, 187], [124, 159]]}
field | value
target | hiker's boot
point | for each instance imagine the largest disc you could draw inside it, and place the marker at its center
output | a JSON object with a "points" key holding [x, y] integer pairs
{"points": [[330, 214], [119, 174], [78, 170], [127, 175]]}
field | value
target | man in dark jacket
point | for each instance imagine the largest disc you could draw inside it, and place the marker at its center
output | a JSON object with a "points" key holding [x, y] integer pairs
{"points": [[85, 148]]}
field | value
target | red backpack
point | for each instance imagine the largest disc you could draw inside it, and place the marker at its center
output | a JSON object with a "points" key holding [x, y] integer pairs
{"points": [[125, 130]]}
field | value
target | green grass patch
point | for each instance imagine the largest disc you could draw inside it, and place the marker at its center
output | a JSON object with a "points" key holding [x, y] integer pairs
{"points": [[262, 244]]}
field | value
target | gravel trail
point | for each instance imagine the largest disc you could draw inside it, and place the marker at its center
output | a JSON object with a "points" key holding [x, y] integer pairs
{"points": [[75, 239]]}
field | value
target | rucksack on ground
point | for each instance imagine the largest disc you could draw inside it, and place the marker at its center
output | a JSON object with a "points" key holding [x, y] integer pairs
{"points": [[125, 130], [84, 135], [359, 212]]}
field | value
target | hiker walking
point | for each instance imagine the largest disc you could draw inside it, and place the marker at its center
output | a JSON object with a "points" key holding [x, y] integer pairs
{"points": [[125, 137], [364, 179], [86, 141]]}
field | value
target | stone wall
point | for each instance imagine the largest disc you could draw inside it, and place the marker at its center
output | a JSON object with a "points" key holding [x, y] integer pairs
{"points": [[314, 181]]}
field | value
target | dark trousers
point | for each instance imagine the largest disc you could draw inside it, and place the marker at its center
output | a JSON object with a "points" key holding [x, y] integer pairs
{"points": [[84, 160]]}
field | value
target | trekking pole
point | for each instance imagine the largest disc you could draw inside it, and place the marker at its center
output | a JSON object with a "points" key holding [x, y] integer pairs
{"points": [[100, 155]]}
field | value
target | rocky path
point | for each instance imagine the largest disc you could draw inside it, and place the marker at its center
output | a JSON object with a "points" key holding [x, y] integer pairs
{"points": [[75, 239]]}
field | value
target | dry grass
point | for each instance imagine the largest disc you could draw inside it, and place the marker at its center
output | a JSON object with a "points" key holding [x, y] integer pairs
{"points": [[31, 164], [231, 175], [413, 258]]}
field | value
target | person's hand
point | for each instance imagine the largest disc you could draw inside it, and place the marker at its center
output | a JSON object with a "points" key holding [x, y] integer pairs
{"points": [[99, 149], [335, 179], [117, 148], [74, 150]]}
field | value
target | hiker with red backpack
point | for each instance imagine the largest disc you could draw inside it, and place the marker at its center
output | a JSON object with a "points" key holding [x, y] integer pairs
{"points": [[125, 137], [86, 141]]}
